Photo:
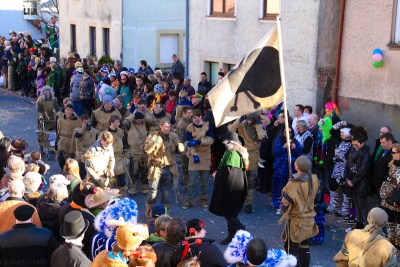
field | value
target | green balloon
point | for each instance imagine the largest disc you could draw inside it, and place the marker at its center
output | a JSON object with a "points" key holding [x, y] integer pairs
{"points": [[377, 64]]}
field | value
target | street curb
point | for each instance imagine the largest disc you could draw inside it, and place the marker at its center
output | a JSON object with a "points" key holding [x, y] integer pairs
{"points": [[28, 100]]}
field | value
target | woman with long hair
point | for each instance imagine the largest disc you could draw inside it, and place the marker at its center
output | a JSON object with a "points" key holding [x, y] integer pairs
{"points": [[71, 173]]}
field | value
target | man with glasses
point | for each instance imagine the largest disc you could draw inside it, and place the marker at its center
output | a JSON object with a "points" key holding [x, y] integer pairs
{"points": [[381, 166], [160, 148]]}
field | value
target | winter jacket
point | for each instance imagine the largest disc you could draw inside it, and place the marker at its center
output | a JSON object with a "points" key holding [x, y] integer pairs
{"points": [[69, 255], [48, 210], [87, 86], [74, 87], [26, 243], [358, 170]]}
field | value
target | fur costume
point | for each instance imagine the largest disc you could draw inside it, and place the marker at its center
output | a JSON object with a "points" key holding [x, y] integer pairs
{"points": [[122, 208], [236, 253], [129, 237]]}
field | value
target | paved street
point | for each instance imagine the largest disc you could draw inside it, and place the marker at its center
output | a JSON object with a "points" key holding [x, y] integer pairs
{"points": [[18, 119]]}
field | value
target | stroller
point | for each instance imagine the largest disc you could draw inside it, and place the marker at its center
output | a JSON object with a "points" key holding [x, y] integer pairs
{"points": [[46, 139]]}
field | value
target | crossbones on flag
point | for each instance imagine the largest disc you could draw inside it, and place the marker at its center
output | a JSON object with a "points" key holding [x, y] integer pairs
{"points": [[253, 84]]}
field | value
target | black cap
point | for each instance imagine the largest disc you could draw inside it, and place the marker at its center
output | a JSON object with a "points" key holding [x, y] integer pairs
{"points": [[24, 212]]}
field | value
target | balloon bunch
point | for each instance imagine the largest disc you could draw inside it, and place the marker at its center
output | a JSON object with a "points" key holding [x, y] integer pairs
{"points": [[377, 57]]}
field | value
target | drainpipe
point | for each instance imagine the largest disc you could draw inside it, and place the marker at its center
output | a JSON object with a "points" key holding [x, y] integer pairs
{"points": [[187, 39], [121, 54], [339, 53]]}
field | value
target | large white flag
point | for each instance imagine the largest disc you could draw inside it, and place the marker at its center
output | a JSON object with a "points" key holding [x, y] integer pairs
{"points": [[254, 83]]}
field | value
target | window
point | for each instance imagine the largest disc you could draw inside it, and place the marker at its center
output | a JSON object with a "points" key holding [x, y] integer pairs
{"points": [[30, 7], [73, 37], [92, 39], [168, 46], [106, 41], [224, 8], [211, 68], [395, 31], [271, 9]]}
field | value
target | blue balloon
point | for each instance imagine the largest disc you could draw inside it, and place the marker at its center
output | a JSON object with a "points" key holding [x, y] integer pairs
{"points": [[377, 51]]}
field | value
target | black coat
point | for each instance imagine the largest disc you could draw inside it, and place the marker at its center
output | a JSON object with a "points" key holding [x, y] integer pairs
{"points": [[381, 170], [27, 245], [209, 254], [69, 255], [164, 251], [48, 211], [358, 170], [230, 190]]}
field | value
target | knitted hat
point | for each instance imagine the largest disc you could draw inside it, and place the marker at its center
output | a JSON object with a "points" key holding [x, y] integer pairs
{"points": [[196, 112], [252, 116], [256, 251], [32, 182], [139, 115], [107, 99], [104, 69], [24, 212], [80, 192], [113, 74], [303, 163], [121, 98], [131, 70], [129, 236], [158, 210], [79, 70]]}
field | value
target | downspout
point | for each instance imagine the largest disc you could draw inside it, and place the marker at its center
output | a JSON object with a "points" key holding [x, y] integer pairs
{"points": [[339, 53], [121, 54], [187, 39]]}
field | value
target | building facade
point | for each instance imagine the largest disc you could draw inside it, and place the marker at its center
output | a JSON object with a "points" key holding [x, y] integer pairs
{"points": [[369, 96], [130, 30], [222, 32], [21, 16]]}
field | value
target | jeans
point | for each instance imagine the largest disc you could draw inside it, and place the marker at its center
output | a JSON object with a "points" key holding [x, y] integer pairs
{"points": [[77, 107], [195, 178], [164, 183]]}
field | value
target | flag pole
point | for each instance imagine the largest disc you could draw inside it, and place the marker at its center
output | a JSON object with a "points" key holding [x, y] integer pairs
{"points": [[283, 81]]}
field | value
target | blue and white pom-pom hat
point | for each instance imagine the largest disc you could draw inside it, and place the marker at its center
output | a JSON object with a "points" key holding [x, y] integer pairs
{"points": [[126, 209], [240, 250]]}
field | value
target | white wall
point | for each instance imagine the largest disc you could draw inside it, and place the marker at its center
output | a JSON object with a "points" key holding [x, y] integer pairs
{"points": [[144, 22], [98, 13], [12, 18], [226, 40]]}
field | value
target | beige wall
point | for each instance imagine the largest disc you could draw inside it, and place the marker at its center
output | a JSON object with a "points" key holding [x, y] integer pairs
{"points": [[367, 28], [98, 13], [228, 40]]}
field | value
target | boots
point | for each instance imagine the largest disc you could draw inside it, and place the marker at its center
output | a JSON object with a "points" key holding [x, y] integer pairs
{"points": [[203, 201], [304, 256], [187, 203], [132, 190], [227, 240], [122, 191], [144, 189], [148, 211]]}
